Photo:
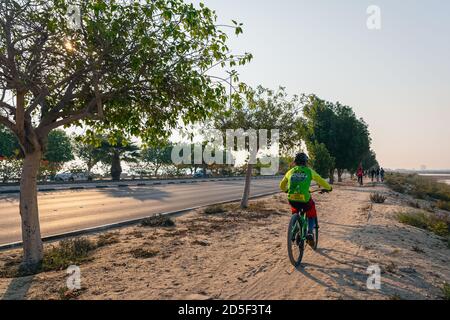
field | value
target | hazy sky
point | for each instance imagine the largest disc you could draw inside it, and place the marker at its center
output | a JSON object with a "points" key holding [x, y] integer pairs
{"points": [[396, 78]]}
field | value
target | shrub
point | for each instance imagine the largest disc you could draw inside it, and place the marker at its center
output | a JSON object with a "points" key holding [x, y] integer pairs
{"points": [[107, 239], [414, 204], [427, 221], [377, 198], [418, 186], [68, 252], [158, 221], [215, 209], [446, 291], [141, 253], [444, 205]]}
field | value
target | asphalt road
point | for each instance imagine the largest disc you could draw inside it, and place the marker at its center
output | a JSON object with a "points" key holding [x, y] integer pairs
{"points": [[67, 211]]}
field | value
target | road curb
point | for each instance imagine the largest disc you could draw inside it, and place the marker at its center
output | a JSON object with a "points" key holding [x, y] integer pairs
{"points": [[127, 223]]}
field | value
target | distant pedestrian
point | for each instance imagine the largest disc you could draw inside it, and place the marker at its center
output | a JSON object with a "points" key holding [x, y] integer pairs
{"points": [[372, 174], [360, 174], [382, 172], [378, 174]]}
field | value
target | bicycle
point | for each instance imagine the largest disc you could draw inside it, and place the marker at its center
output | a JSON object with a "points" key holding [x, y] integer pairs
{"points": [[297, 232]]}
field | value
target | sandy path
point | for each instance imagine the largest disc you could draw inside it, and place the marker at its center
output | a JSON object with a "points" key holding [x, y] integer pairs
{"points": [[242, 255]]}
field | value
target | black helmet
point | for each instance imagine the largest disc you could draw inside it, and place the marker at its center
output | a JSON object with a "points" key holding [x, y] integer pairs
{"points": [[301, 159]]}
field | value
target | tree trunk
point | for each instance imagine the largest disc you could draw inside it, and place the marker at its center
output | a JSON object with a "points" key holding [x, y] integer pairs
{"points": [[340, 172], [116, 168], [248, 180], [31, 232], [332, 176]]}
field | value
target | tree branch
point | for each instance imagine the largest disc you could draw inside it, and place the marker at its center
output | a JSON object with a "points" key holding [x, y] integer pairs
{"points": [[7, 123]]}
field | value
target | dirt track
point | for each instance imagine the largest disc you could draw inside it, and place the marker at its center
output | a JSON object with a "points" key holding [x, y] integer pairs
{"points": [[242, 255]]}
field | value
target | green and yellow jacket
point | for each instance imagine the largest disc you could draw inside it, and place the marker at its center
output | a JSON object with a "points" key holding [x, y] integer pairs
{"points": [[298, 181]]}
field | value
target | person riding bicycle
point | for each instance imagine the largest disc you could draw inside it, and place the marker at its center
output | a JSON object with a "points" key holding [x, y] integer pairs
{"points": [[296, 183]]}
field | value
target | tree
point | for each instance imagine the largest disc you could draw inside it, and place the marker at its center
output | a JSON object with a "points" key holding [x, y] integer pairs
{"points": [[132, 66], [345, 136], [320, 159], [8, 143], [320, 126], [264, 109], [369, 160], [59, 150], [86, 152], [113, 152], [156, 157]]}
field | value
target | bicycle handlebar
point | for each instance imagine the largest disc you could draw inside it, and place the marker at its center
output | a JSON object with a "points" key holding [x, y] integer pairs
{"points": [[321, 191]]}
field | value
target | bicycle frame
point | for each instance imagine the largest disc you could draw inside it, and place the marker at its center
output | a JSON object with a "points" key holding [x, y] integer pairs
{"points": [[302, 225]]}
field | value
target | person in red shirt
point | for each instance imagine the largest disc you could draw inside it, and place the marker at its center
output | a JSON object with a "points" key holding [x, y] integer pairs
{"points": [[360, 174]]}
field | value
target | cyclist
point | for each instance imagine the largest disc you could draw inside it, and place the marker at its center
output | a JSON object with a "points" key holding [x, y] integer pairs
{"points": [[296, 183]]}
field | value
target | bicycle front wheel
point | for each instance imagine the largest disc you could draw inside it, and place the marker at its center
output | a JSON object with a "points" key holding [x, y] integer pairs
{"points": [[295, 243]]}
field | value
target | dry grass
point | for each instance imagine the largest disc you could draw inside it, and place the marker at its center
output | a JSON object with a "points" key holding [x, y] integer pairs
{"points": [[444, 205], [377, 198], [107, 239], [141, 253], [158, 222], [216, 209]]}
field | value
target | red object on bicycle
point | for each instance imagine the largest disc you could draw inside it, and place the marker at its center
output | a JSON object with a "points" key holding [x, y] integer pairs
{"points": [[309, 208]]}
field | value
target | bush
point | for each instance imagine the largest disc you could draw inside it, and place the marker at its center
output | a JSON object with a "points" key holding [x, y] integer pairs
{"points": [[414, 204], [107, 239], [141, 253], [377, 198], [216, 209], [444, 205], [158, 221], [446, 291], [418, 186], [426, 221], [68, 252]]}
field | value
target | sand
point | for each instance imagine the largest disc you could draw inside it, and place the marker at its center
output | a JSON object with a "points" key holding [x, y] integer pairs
{"points": [[242, 255]]}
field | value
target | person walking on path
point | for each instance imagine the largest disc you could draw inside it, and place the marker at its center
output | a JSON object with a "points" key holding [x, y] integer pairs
{"points": [[360, 174]]}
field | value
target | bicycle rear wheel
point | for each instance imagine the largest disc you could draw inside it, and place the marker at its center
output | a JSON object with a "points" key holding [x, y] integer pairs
{"points": [[295, 243]]}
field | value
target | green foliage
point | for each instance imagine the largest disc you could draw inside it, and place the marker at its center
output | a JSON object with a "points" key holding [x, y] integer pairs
{"points": [[86, 152], [418, 186], [438, 224], [138, 66], [446, 291], [9, 147], [336, 126], [59, 148], [265, 109], [320, 159], [156, 157], [66, 253]]}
